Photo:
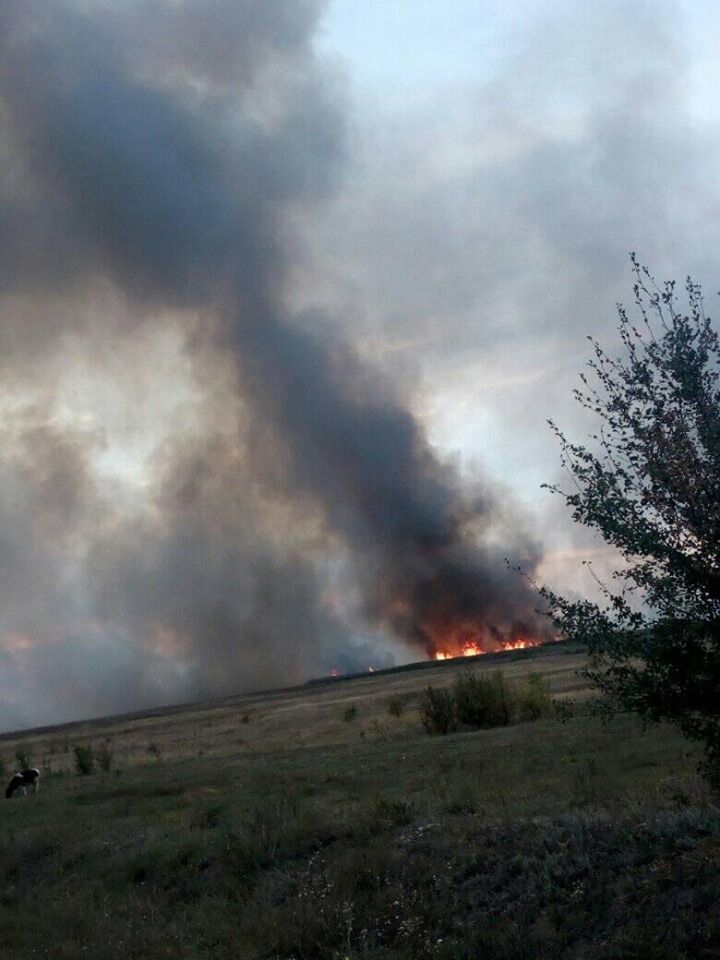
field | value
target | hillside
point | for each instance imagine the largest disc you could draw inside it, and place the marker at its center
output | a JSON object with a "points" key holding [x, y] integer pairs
{"points": [[313, 823]]}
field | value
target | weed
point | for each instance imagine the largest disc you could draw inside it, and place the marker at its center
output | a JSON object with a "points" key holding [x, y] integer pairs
{"points": [[437, 710], [389, 813], [586, 782], [563, 710], [154, 749], [396, 705], [209, 819], [482, 701], [379, 729], [350, 713], [532, 699], [84, 759], [105, 756]]}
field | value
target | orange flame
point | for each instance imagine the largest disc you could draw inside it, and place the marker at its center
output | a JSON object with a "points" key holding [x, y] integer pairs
{"points": [[470, 649]]}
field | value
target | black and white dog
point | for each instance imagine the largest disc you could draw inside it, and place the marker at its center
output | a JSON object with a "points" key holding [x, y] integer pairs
{"points": [[22, 780]]}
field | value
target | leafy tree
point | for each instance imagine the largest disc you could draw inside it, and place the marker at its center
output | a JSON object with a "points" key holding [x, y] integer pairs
{"points": [[650, 484]]}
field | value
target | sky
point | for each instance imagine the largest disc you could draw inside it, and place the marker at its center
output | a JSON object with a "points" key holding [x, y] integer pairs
{"points": [[288, 292], [510, 157]]}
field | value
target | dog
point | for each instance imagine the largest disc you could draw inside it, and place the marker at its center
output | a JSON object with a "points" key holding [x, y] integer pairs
{"points": [[19, 782]]}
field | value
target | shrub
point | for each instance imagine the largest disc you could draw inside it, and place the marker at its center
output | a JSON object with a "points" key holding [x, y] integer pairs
{"points": [[437, 711], [563, 710], [395, 705], [389, 813], [23, 759], [483, 701], [533, 699], [2, 767], [154, 749], [84, 759], [350, 713], [105, 757], [480, 700]]}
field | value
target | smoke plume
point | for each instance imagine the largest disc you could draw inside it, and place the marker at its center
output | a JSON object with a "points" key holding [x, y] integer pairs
{"points": [[291, 513]]}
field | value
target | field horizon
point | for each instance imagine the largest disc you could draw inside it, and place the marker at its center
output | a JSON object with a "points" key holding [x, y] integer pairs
{"points": [[164, 709]]}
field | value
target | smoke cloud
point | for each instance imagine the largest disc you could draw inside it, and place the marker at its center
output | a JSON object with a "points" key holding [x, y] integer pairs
{"points": [[273, 508]]}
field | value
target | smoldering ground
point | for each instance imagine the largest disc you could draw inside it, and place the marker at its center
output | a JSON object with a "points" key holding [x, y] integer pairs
{"points": [[290, 502]]}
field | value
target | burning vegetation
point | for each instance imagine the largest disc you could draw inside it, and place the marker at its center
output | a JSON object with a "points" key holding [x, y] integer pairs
{"points": [[473, 648]]}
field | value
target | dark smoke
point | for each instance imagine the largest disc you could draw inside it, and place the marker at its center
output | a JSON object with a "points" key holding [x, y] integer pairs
{"points": [[155, 158]]}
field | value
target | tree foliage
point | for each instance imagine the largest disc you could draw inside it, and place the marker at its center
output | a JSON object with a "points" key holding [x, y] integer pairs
{"points": [[649, 482]]}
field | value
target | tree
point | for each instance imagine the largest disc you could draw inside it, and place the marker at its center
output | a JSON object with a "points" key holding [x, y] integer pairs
{"points": [[650, 484]]}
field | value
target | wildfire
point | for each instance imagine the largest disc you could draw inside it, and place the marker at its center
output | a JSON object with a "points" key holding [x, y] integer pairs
{"points": [[475, 650]]}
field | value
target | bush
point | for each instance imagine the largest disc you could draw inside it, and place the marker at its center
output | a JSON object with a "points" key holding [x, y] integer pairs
{"points": [[22, 759], [350, 713], [563, 710], [482, 701], [84, 760], [437, 711], [395, 705], [479, 700], [389, 813], [533, 700], [105, 757]]}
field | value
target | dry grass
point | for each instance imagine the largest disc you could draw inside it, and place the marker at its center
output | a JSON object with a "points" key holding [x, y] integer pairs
{"points": [[333, 838], [309, 715]]}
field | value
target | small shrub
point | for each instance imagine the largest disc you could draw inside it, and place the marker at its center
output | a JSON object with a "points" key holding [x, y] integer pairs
{"points": [[395, 705], [350, 713], [245, 718], [586, 782], [437, 711], [483, 701], [709, 769], [84, 759], [563, 710], [533, 699], [208, 819], [682, 792], [379, 730], [388, 813], [105, 757], [23, 759], [154, 749]]}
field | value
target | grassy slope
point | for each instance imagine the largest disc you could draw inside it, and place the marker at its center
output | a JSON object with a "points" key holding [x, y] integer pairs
{"points": [[321, 837]]}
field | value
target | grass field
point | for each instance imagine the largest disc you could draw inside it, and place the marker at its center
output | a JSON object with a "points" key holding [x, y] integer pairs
{"points": [[314, 823]]}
